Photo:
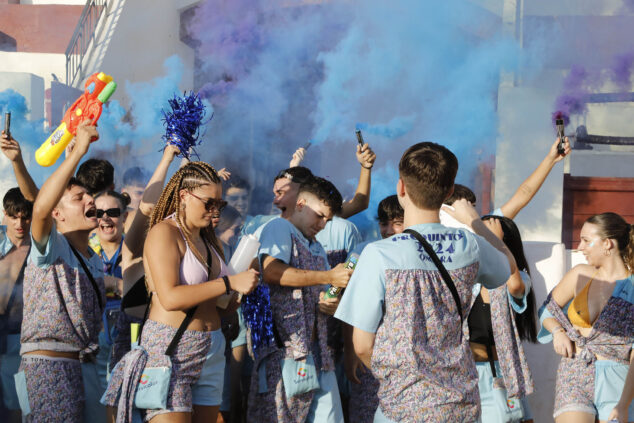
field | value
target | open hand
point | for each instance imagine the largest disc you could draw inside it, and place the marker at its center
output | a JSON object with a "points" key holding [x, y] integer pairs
{"points": [[462, 211], [224, 174]]}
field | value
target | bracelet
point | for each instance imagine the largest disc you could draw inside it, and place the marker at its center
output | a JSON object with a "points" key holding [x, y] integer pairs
{"points": [[228, 287], [558, 329], [367, 167]]}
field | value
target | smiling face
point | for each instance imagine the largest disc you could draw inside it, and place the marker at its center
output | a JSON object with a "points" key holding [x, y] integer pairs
{"points": [[285, 196], [18, 226], [75, 211], [391, 227], [110, 228], [310, 215], [591, 245], [194, 202]]}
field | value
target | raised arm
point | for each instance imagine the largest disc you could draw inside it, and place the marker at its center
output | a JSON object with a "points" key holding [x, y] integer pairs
{"points": [[533, 183], [11, 149], [276, 272], [162, 258], [361, 199], [135, 234], [55, 185], [465, 213]]}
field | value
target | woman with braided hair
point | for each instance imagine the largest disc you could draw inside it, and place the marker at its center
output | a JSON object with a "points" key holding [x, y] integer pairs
{"points": [[589, 316], [185, 274]]}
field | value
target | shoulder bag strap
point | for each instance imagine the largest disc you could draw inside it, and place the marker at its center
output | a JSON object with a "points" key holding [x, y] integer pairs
{"points": [[90, 277], [445, 275], [190, 313]]}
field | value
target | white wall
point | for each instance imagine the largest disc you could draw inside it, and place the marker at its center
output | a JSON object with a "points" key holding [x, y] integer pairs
{"points": [[135, 39], [40, 64], [30, 86], [548, 264]]}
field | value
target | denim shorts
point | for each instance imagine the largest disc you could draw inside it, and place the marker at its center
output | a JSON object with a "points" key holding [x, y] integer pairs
{"points": [[207, 391]]}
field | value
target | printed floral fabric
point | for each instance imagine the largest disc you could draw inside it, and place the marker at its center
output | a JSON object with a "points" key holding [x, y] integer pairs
{"points": [[297, 319], [48, 321], [55, 390], [418, 355], [517, 376]]}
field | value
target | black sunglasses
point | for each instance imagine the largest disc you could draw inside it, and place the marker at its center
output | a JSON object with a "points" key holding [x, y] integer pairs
{"points": [[116, 212], [211, 203]]}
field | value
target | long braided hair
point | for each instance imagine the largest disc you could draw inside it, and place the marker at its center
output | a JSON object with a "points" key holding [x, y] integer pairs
{"points": [[190, 176]]}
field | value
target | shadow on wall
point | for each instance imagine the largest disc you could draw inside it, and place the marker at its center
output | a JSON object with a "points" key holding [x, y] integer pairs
{"points": [[8, 43]]}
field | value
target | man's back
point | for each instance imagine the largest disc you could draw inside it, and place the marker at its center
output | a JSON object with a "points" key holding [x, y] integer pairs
{"points": [[421, 354]]}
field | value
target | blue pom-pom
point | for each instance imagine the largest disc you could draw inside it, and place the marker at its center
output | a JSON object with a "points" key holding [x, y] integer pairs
{"points": [[183, 122], [256, 310]]}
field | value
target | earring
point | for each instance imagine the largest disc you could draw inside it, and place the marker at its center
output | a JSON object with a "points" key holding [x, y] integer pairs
{"points": [[607, 252]]}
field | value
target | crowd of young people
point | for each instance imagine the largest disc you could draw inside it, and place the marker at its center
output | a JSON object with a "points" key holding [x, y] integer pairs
{"points": [[110, 303]]}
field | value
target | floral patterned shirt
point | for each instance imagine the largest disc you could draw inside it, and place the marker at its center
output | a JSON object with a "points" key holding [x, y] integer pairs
{"points": [[426, 372]]}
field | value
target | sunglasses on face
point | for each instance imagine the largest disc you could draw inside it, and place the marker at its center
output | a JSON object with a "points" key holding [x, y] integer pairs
{"points": [[110, 212], [211, 203]]}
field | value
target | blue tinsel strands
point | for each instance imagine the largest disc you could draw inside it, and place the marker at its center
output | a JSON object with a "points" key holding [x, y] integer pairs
{"points": [[256, 309], [183, 122]]}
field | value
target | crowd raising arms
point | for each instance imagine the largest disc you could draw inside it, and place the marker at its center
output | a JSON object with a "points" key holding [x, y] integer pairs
{"points": [[183, 264]]}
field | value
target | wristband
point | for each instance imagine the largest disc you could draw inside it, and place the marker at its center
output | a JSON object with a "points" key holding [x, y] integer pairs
{"points": [[367, 167], [558, 329], [228, 287]]}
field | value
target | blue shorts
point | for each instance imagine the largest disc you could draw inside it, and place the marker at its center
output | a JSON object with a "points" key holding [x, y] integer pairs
{"points": [[608, 385], [490, 411], [241, 339], [9, 365], [94, 411], [207, 391], [326, 405]]}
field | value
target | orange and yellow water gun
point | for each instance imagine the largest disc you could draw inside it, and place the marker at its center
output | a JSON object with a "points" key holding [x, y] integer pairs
{"points": [[99, 88]]}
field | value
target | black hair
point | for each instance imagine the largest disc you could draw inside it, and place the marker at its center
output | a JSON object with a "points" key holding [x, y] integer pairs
{"points": [[236, 182], [389, 209], [122, 198], [325, 191], [526, 322], [14, 203], [460, 192], [297, 174], [136, 176], [96, 175]]}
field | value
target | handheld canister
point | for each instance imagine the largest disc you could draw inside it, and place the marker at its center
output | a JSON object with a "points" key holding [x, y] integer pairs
{"points": [[335, 291], [7, 124], [559, 123]]}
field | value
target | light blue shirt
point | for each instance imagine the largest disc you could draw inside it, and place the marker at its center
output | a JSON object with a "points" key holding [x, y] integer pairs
{"points": [[363, 301], [276, 240], [339, 235], [5, 243], [57, 247]]}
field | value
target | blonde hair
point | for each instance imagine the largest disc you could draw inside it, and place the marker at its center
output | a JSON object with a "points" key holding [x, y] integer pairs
{"points": [[189, 177]]}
